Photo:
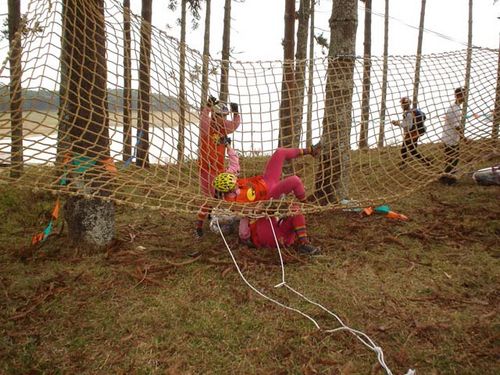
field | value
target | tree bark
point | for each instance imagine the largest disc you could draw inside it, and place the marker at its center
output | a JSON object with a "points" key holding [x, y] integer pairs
{"points": [[310, 79], [63, 139], [226, 48], [496, 114], [206, 56], [288, 81], [90, 221], [383, 105], [416, 81], [127, 83], [144, 87], [300, 69], [367, 65], [182, 87], [332, 177], [15, 89], [467, 71]]}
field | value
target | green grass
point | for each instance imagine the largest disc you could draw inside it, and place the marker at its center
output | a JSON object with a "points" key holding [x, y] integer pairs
{"points": [[160, 302]]}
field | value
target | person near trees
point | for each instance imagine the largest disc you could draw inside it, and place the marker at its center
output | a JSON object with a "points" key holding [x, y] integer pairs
{"points": [[269, 185], [215, 128], [413, 127], [451, 137]]}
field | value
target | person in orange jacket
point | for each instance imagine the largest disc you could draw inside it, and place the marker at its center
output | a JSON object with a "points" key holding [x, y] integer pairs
{"points": [[214, 130]]}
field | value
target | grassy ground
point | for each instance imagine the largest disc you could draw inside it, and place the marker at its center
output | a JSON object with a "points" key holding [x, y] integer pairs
{"points": [[160, 302]]}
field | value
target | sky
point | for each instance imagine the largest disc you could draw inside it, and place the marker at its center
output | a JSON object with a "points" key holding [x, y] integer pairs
{"points": [[257, 26]]}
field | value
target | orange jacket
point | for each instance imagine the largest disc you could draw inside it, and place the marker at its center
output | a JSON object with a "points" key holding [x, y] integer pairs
{"points": [[211, 152], [249, 190]]}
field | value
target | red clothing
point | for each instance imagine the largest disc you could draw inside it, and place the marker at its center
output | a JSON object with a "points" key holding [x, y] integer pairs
{"points": [[211, 152], [249, 189]]}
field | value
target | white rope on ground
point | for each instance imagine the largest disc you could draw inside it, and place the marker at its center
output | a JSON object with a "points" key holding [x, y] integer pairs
{"points": [[361, 336], [255, 289]]}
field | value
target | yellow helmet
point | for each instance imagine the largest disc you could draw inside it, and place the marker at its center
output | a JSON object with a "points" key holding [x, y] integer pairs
{"points": [[225, 182]]}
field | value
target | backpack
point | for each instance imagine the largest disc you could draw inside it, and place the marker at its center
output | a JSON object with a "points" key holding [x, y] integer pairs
{"points": [[418, 121]]}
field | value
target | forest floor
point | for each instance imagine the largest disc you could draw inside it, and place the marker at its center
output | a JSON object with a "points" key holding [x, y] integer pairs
{"points": [[161, 302]]}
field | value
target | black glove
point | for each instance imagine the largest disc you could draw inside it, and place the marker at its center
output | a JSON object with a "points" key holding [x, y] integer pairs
{"points": [[234, 107], [212, 100], [225, 140], [198, 233]]}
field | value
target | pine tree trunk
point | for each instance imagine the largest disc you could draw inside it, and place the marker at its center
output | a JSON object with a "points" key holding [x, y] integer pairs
{"points": [[288, 81], [15, 89], [310, 79], [300, 69], [467, 71], [332, 177], [383, 105], [226, 47], [206, 56], [144, 87], [367, 65], [90, 221], [127, 83], [182, 87], [496, 113], [416, 81]]}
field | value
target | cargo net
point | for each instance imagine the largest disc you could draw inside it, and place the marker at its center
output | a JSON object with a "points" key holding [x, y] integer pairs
{"points": [[81, 136]]}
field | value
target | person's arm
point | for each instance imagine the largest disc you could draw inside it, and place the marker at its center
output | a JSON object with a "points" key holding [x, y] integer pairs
{"points": [[231, 125], [234, 161]]}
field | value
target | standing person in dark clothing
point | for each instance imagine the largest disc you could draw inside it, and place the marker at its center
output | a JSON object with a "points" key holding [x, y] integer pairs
{"points": [[413, 127]]}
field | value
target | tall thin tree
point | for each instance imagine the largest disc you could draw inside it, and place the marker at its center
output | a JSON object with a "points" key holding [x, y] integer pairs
{"points": [[226, 49], [127, 83], [62, 131], [90, 221], [310, 78], [144, 96], [332, 177], [367, 65], [418, 60], [468, 64], [288, 80], [182, 83], [300, 69], [383, 105], [15, 89], [496, 112], [206, 54]]}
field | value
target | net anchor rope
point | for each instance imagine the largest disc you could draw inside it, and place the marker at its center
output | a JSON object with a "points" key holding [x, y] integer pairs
{"points": [[361, 336]]}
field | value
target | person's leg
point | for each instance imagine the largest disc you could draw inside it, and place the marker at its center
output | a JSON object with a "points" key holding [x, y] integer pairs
{"points": [[288, 185], [274, 166], [205, 182], [455, 158], [203, 212], [263, 235], [451, 158], [404, 151]]}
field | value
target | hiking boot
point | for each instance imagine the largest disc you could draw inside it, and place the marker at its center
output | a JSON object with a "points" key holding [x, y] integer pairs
{"points": [[308, 249], [198, 233], [448, 180]]}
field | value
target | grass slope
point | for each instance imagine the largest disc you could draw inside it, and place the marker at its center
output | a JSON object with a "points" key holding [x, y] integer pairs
{"points": [[160, 302]]}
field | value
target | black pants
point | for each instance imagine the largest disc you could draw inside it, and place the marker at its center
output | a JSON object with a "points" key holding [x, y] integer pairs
{"points": [[451, 156], [410, 147]]}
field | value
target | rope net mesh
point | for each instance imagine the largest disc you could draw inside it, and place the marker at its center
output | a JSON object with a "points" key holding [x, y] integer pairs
{"points": [[74, 118]]}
